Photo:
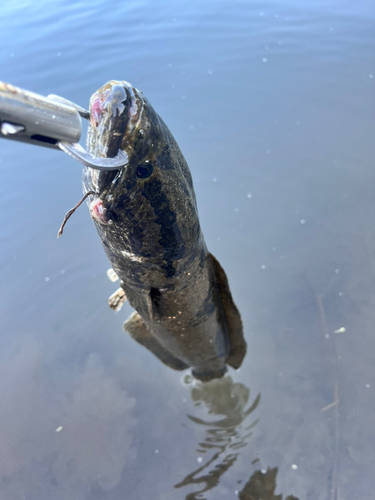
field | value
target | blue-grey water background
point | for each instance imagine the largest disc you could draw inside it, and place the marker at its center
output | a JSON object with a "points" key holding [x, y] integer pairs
{"points": [[272, 103]]}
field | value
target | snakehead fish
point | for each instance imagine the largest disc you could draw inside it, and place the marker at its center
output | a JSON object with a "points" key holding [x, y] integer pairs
{"points": [[146, 216]]}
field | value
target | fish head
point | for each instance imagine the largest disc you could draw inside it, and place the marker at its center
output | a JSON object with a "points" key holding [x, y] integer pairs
{"points": [[149, 206]]}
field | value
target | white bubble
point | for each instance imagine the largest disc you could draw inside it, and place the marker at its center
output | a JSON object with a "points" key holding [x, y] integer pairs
{"points": [[261, 14], [249, 195], [294, 466], [264, 59], [214, 179], [236, 209], [263, 471], [367, 386], [263, 266], [303, 221], [199, 460], [371, 75], [210, 71], [156, 452], [342, 329], [59, 428], [183, 97], [340, 294], [170, 65], [337, 271], [46, 278]]}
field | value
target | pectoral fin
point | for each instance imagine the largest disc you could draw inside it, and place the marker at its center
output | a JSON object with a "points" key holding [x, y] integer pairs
{"points": [[232, 316], [112, 275], [117, 299], [140, 332]]}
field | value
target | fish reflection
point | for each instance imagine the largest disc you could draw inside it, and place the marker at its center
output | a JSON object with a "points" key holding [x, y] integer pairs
{"points": [[224, 436], [261, 486], [224, 439]]}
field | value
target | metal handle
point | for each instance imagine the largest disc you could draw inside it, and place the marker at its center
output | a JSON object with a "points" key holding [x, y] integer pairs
{"points": [[52, 122], [31, 118]]}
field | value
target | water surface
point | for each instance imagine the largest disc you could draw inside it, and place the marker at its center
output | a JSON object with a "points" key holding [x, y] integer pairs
{"points": [[272, 104]]}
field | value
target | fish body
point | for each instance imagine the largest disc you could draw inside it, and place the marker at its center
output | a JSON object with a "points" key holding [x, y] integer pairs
{"points": [[147, 218]]}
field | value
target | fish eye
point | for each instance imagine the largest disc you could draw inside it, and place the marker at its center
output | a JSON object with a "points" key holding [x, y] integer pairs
{"points": [[145, 170]]}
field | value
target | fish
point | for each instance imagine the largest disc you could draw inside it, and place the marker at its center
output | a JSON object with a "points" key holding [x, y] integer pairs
{"points": [[147, 219]]}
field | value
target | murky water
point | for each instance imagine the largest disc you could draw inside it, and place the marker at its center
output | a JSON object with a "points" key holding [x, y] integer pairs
{"points": [[272, 104]]}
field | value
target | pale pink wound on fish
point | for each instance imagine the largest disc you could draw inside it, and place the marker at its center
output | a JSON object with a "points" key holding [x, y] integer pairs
{"points": [[96, 111], [98, 212]]}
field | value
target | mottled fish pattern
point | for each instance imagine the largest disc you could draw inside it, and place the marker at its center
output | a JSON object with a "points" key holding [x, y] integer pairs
{"points": [[146, 216]]}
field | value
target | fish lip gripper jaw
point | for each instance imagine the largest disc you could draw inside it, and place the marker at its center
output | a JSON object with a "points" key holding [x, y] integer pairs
{"points": [[52, 122]]}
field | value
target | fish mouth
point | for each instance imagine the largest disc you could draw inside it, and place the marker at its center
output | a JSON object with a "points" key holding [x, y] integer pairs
{"points": [[115, 110]]}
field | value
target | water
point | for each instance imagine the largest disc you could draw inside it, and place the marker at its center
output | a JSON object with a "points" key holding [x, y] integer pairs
{"points": [[272, 104]]}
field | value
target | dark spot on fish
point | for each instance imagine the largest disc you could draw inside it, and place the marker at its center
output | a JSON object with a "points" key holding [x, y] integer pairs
{"points": [[155, 295], [164, 159], [170, 236]]}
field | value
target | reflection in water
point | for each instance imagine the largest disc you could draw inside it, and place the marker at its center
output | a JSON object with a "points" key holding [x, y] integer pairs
{"points": [[224, 436], [62, 432], [261, 486]]}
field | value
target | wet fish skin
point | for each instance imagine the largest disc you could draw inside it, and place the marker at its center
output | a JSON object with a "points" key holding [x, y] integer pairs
{"points": [[147, 218]]}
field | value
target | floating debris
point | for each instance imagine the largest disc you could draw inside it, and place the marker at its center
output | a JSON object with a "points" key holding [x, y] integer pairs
{"points": [[59, 428], [294, 466], [340, 330]]}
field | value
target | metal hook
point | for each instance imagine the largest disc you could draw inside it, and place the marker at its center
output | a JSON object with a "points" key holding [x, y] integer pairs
{"points": [[80, 154], [76, 151]]}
